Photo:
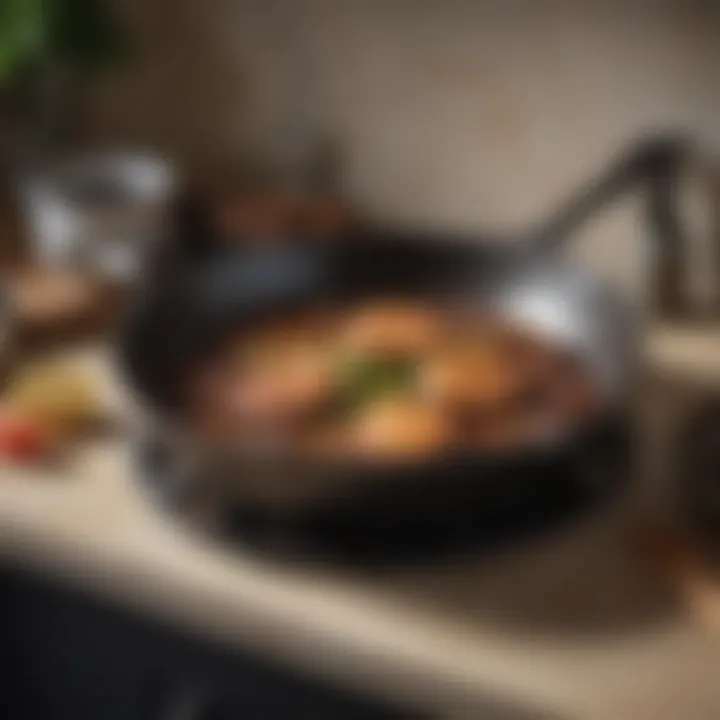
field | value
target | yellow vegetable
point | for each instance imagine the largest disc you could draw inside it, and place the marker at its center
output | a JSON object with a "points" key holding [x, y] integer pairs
{"points": [[59, 396]]}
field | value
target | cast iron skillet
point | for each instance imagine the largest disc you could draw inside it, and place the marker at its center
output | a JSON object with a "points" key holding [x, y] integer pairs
{"points": [[184, 316]]}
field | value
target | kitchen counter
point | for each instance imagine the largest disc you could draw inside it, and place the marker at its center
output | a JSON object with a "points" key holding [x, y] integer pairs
{"points": [[576, 626]]}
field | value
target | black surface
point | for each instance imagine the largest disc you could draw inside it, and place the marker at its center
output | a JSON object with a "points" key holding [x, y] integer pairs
{"points": [[697, 473], [63, 657]]}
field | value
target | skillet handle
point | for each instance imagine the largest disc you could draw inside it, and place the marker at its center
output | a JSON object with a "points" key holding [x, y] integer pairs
{"points": [[654, 165]]}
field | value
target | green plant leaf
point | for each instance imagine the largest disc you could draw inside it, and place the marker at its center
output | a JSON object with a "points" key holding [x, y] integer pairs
{"points": [[23, 31], [82, 33]]}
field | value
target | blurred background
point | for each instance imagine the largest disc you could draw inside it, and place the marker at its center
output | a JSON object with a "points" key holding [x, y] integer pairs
{"points": [[140, 139], [471, 115], [456, 114]]}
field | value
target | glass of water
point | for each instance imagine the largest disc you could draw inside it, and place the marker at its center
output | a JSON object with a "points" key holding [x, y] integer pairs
{"points": [[103, 212]]}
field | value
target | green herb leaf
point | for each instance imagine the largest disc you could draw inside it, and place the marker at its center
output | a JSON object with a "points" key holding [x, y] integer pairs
{"points": [[364, 379]]}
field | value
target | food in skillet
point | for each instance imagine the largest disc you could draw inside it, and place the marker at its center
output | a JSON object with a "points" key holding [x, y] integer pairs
{"points": [[474, 373], [398, 427], [390, 381], [391, 330]]}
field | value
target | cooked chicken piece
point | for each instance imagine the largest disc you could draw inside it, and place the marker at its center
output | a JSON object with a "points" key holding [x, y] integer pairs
{"points": [[264, 384], [473, 375], [392, 330], [283, 387], [398, 428]]}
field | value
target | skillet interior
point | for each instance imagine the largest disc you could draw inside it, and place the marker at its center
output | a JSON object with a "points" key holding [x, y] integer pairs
{"points": [[365, 508], [176, 322]]}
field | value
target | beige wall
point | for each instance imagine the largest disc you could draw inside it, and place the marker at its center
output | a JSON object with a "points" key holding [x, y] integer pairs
{"points": [[466, 113]]}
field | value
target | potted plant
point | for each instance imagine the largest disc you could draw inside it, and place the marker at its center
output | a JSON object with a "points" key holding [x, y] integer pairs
{"points": [[50, 51]]}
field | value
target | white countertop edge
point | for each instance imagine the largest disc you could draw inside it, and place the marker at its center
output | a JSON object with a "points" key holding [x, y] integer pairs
{"points": [[99, 534]]}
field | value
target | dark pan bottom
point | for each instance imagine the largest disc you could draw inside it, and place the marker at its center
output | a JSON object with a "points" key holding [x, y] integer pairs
{"points": [[431, 519]]}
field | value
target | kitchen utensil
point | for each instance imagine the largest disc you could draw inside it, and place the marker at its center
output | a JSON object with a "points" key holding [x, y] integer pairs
{"points": [[528, 280]]}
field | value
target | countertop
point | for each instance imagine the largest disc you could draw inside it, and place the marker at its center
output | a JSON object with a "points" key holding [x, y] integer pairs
{"points": [[576, 626]]}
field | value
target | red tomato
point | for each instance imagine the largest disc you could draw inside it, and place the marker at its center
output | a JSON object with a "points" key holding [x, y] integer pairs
{"points": [[21, 439]]}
